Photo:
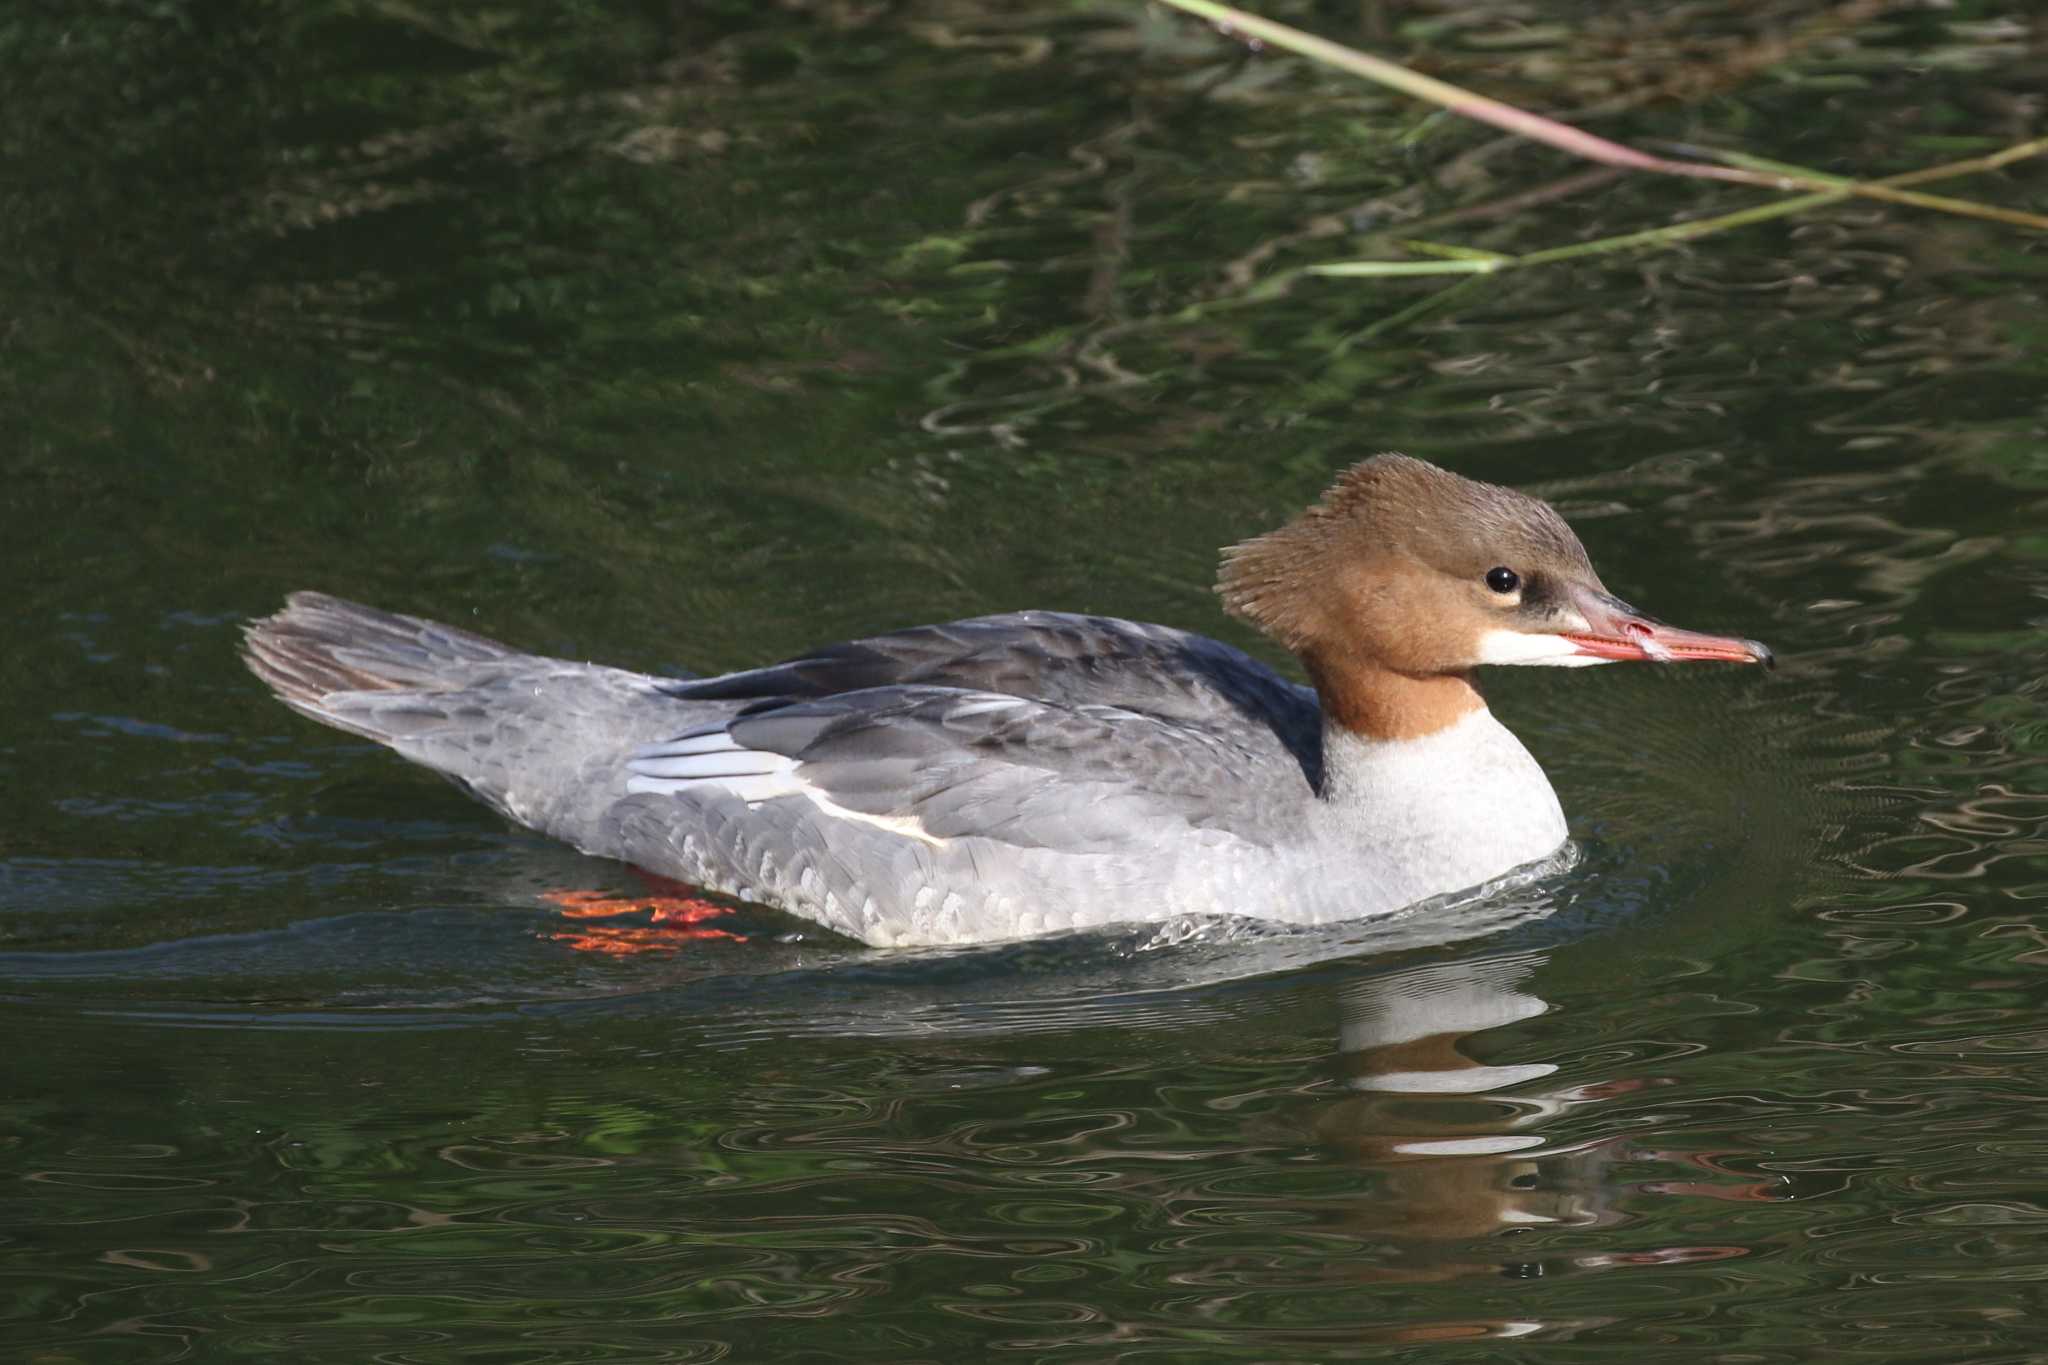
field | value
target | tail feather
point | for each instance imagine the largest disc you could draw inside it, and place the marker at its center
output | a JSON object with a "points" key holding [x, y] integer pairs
{"points": [[320, 644], [543, 740]]}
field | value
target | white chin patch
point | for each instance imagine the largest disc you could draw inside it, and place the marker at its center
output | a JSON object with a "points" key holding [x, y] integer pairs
{"points": [[1518, 647]]}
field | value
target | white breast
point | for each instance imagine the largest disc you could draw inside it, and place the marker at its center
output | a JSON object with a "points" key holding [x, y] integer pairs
{"points": [[1439, 813]]}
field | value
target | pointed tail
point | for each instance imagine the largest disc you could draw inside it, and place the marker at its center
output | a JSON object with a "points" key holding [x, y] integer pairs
{"points": [[543, 740], [320, 646]]}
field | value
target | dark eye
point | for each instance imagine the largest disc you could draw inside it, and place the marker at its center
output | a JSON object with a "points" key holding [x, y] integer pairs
{"points": [[1503, 579]]}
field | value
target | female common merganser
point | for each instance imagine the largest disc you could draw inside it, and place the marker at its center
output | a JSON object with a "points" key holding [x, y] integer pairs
{"points": [[1038, 771]]}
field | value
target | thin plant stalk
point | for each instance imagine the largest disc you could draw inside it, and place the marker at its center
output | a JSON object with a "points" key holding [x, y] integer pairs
{"points": [[1670, 235], [1563, 136]]}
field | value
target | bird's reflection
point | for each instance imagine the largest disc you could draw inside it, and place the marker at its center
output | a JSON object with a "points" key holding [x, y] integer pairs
{"points": [[1435, 1121], [1465, 1173]]}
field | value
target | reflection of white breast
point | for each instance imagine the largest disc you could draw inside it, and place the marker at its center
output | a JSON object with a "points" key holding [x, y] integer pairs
{"points": [[1452, 1000]]}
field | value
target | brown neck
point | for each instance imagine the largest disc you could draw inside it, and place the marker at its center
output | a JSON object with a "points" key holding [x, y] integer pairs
{"points": [[1375, 702]]}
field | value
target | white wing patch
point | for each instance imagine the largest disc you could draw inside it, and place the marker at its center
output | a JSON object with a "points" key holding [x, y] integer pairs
{"points": [[909, 826], [714, 761], [711, 760]]}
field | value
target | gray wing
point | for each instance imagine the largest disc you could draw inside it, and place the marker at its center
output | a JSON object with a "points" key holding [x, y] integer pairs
{"points": [[1069, 662], [939, 764]]}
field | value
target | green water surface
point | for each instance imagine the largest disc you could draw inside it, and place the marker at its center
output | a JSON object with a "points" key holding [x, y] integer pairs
{"points": [[691, 335]]}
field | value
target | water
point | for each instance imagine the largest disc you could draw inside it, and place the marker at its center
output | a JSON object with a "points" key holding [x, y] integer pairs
{"points": [[692, 337]]}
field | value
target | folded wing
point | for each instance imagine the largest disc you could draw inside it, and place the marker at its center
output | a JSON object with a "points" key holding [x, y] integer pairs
{"points": [[940, 764]]}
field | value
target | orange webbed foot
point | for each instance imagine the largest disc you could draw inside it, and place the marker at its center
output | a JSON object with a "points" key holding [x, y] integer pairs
{"points": [[673, 920]]}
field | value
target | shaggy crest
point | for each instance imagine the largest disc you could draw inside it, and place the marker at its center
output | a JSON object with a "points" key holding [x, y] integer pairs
{"points": [[1388, 508]]}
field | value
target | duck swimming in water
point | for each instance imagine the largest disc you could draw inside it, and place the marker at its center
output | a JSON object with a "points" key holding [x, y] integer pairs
{"points": [[1037, 771]]}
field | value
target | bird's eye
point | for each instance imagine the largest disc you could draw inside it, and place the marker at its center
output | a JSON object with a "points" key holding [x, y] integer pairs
{"points": [[1502, 579]]}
